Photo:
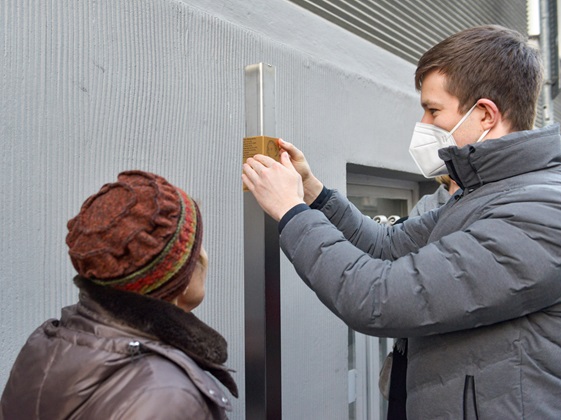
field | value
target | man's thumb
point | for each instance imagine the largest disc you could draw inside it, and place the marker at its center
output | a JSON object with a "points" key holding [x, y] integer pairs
{"points": [[285, 160]]}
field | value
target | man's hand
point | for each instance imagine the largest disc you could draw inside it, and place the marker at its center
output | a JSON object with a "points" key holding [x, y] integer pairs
{"points": [[312, 186], [277, 187]]}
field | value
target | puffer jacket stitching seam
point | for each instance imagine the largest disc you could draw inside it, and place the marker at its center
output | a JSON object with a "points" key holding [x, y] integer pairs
{"points": [[520, 373], [376, 310], [374, 314], [47, 370], [124, 350], [134, 400]]}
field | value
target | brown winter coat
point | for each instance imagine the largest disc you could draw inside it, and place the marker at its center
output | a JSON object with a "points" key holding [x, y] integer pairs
{"points": [[118, 355]]}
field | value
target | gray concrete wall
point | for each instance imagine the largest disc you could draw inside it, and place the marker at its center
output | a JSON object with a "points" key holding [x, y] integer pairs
{"points": [[88, 89]]}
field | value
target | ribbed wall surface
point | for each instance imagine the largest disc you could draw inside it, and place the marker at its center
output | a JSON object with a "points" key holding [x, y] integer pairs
{"points": [[88, 89], [408, 28], [91, 88]]}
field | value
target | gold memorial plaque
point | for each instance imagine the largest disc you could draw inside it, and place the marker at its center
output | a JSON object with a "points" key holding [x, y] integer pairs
{"points": [[260, 145]]}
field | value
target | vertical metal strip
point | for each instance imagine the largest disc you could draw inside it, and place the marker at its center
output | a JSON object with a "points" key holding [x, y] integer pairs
{"points": [[261, 266], [547, 100]]}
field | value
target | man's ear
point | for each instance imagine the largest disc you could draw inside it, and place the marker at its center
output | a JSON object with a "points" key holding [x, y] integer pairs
{"points": [[491, 115]]}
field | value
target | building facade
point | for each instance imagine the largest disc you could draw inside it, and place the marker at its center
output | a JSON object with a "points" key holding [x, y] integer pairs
{"points": [[89, 89]]}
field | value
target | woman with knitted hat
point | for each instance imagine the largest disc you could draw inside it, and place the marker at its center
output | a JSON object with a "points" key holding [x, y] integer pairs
{"points": [[130, 348]]}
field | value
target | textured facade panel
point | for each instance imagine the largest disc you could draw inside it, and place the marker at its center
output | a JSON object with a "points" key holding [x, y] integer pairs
{"points": [[89, 89], [408, 28]]}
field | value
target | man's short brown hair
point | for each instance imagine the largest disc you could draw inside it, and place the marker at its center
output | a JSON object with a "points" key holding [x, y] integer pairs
{"points": [[489, 62]]}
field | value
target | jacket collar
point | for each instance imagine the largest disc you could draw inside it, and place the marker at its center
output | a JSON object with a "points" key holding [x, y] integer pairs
{"points": [[170, 324], [477, 164]]}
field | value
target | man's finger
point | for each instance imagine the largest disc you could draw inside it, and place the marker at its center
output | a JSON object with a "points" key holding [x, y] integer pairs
{"points": [[249, 170], [250, 186], [253, 165], [264, 160]]}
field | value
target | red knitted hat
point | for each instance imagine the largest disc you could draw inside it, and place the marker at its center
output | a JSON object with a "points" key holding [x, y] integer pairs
{"points": [[140, 234]]}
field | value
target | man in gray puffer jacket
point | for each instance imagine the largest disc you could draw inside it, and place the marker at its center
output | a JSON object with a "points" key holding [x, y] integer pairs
{"points": [[476, 284]]}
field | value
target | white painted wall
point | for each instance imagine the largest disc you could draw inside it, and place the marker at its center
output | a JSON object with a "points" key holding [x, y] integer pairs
{"points": [[88, 89]]}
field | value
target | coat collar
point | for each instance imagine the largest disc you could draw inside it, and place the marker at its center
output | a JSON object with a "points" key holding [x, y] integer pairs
{"points": [[170, 324], [477, 164]]}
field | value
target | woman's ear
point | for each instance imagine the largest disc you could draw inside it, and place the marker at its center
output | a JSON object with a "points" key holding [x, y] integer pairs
{"points": [[179, 298], [194, 292]]}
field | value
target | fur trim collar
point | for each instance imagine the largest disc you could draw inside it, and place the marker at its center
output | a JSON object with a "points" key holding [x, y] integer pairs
{"points": [[173, 326]]}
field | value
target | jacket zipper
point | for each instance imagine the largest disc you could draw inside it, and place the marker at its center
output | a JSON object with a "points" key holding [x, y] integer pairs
{"points": [[470, 404]]}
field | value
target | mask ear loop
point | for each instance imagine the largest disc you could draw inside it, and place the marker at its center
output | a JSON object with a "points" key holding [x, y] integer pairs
{"points": [[463, 118], [483, 135]]}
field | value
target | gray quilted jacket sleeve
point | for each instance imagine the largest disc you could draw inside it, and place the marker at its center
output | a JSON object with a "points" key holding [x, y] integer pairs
{"points": [[388, 281]]}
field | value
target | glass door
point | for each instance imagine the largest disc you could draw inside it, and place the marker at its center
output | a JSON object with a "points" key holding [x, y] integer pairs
{"points": [[385, 200]]}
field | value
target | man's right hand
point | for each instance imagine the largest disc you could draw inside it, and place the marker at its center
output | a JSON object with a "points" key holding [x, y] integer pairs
{"points": [[312, 186]]}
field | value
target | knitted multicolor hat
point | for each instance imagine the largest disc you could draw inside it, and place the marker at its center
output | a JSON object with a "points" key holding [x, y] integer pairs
{"points": [[140, 234]]}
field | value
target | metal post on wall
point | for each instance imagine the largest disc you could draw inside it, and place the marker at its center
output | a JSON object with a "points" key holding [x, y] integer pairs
{"points": [[261, 266], [547, 99]]}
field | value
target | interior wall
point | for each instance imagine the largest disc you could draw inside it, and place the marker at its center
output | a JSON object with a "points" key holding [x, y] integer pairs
{"points": [[89, 89]]}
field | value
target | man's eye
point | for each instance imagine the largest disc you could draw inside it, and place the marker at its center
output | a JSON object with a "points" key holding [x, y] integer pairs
{"points": [[433, 111]]}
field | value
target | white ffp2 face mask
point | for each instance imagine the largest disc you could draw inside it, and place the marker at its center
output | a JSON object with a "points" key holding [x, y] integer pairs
{"points": [[427, 139]]}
